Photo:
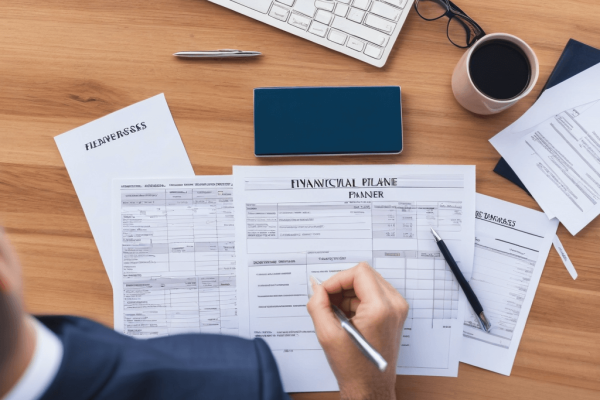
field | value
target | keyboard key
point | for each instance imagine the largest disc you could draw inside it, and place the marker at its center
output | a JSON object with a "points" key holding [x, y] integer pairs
{"points": [[373, 51], [397, 3], [344, 1], [306, 7], [318, 29], [337, 37], [341, 9], [352, 28], [380, 23], [299, 21], [279, 12], [362, 4], [355, 44], [286, 2], [385, 11], [323, 17], [325, 5], [356, 15]]}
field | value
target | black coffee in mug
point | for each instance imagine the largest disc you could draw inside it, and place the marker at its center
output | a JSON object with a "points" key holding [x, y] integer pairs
{"points": [[500, 69]]}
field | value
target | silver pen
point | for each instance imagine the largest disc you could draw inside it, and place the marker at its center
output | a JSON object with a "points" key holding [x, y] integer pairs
{"points": [[217, 54], [358, 339]]}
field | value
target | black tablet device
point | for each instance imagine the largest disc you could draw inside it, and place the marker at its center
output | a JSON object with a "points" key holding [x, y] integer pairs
{"points": [[311, 121]]}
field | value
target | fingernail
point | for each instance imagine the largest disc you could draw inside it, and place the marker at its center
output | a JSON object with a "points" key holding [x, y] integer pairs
{"points": [[313, 281]]}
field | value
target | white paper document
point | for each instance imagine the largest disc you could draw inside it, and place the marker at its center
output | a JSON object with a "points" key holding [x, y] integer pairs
{"points": [[558, 157], [297, 221], [582, 88], [138, 141], [174, 256], [511, 247]]}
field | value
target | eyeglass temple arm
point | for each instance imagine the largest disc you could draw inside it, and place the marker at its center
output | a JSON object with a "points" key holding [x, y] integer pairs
{"points": [[464, 14]]}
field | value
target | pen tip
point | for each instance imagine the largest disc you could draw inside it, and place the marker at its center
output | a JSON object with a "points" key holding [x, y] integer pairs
{"points": [[435, 235], [485, 324]]}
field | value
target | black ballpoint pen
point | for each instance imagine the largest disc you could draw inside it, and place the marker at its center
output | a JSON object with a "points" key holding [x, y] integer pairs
{"points": [[463, 282]]}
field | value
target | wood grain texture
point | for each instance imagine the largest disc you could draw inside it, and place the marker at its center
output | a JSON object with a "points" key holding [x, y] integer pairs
{"points": [[65, 63]]}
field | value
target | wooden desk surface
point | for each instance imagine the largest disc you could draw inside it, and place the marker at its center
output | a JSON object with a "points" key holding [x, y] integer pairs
{"points": [[65, 62]]}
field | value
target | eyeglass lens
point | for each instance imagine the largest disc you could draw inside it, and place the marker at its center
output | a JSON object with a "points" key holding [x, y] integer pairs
{"points": [[432, 9], [461, 31]]}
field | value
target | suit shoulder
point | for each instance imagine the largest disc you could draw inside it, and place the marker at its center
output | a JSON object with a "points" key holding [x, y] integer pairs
{"points": [[62, 324]]}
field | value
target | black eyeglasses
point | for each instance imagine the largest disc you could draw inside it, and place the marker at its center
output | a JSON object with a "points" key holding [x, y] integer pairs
{"points": [[462, 31]]}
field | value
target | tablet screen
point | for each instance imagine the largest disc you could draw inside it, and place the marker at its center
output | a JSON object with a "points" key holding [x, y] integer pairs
{"points": [[327, 121]]}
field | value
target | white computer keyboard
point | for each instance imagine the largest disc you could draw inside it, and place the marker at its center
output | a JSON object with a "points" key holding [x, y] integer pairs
{"points": [[363, 29]]}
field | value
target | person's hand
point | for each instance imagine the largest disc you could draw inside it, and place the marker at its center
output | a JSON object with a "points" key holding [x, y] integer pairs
{"points": [[378, 312], [17, 332], [10, 269]]}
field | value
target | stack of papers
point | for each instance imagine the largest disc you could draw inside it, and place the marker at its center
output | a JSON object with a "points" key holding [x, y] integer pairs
{"points": [[181, 266], [511, 248], [554, 148], [174, 256], [298, 221], [233, 254], [138, 141]]}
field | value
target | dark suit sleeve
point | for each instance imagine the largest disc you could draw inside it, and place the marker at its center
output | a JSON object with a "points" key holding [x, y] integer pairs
{"points": [[99, 363], [270, 381]]}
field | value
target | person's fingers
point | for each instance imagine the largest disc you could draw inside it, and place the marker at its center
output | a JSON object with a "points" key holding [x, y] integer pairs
{"points": [[385, 284], [3, 264], [350, 305], [10, 273], [361, 278], [319, 308], [336, 298], [339, 298], [345, 306], [4, 251]]}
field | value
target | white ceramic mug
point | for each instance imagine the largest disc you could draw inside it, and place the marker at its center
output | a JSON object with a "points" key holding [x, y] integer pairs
{"points": [[467, 94]]}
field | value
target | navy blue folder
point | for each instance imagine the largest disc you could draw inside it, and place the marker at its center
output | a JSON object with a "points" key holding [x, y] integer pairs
{"points": [[576, 58]]}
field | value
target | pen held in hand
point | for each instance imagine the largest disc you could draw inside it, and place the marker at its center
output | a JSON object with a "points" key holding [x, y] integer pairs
{"points": [[358, 339]]}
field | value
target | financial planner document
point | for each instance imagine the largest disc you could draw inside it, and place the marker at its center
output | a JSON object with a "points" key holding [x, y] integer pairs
{"points": [[297, 221], [138, 141], [555, 150], [511, 248], [174, 264], [559, 162]]}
